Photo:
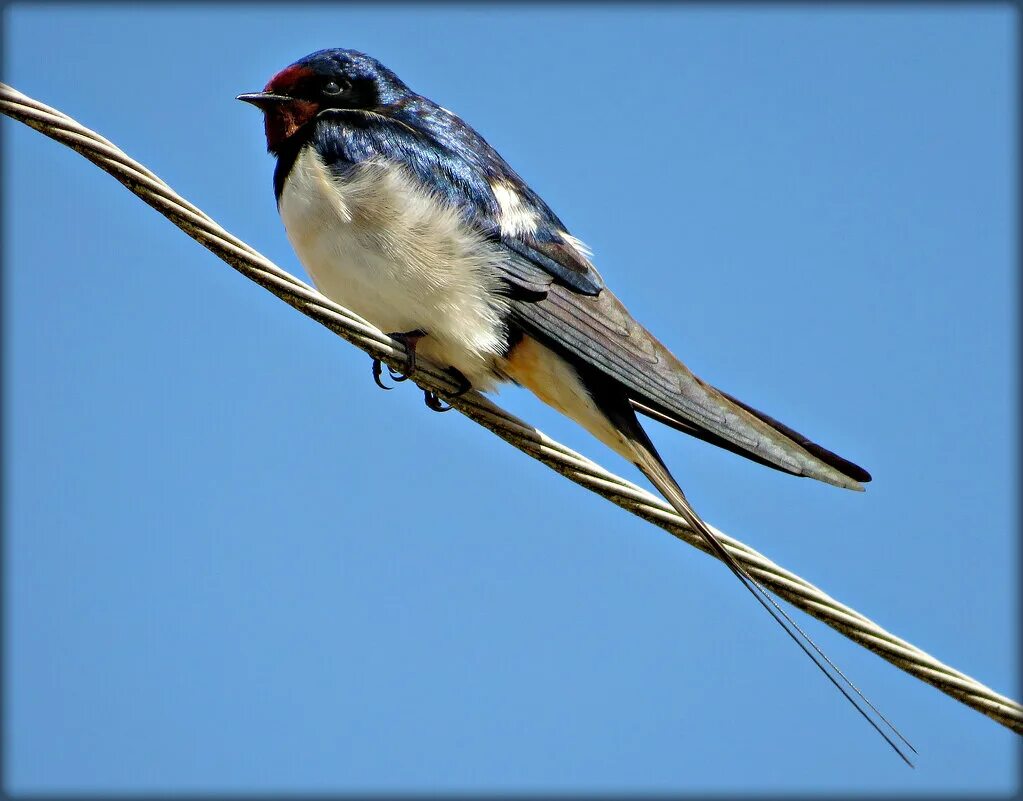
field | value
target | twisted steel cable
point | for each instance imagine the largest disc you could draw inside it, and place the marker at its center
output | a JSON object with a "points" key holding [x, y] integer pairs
{"points": [[250, 263]]}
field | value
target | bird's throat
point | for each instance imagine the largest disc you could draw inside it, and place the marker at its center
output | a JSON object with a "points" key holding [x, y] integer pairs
{"points": [[284, 121]]}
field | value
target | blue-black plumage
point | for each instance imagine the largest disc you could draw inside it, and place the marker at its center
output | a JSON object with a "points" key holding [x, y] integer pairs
{"points": [[355, 114], [404, 213]]}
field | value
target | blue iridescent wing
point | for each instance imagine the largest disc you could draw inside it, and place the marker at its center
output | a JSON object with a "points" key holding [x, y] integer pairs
{"points": [[457, 165], [563, 301], [599, 331]]}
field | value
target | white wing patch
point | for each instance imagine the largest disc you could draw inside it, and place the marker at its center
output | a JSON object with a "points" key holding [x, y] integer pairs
{"points": [[577, 244], [516, 218]]}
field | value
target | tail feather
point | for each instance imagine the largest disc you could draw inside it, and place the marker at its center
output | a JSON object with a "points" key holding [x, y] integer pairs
{"points": [[600, 404], [598, 333], [830, 458], [635, 444], [852, 473], [651, 465]]}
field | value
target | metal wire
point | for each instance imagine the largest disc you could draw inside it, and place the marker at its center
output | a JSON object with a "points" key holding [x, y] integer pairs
{"points": [[570, 464]]}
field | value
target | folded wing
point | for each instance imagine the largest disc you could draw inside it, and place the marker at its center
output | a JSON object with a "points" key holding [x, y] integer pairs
{"points": [[599, 330]]}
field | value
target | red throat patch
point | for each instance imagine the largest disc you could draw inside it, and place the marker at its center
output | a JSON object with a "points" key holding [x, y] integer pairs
{"points": [[281, 121]]}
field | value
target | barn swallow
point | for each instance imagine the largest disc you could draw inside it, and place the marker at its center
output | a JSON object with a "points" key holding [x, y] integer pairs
{"points": [[402, 212]]}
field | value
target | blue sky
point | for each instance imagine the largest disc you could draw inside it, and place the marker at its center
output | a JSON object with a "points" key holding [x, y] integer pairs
{"points": [[233, 564]]}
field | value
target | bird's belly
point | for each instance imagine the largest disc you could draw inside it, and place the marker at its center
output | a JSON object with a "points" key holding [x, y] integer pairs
{"points": [[374, 242]]}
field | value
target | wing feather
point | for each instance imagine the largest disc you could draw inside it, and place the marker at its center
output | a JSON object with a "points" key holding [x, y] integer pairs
{"points": [[555, 292], [600, 331], [452, 161]]}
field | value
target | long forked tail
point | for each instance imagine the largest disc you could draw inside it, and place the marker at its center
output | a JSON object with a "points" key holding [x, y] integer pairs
{"points": [[602, 406], [648, 461], [635, 445]]}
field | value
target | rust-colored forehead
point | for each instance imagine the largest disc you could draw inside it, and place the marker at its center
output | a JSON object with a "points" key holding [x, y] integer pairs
{"points": [[288, 77]]}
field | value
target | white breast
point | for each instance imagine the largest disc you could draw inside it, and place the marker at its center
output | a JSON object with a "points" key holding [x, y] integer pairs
{"points": [[376, 242]]}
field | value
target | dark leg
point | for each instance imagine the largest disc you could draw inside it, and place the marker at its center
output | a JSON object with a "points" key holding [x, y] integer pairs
{"points": [[463, 383], [409, 339]]}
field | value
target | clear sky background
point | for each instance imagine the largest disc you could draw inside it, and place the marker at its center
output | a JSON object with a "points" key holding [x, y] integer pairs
{"points": [[233, 564]]}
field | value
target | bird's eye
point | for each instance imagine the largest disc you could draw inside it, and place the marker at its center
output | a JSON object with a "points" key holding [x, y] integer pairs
{"points": [[331, 88]]}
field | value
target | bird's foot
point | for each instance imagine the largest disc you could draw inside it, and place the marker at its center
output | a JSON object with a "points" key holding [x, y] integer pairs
{"points": [[409, 339], [377, 373], [433, 400]]}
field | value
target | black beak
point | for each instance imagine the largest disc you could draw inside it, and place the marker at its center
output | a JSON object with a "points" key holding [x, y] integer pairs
{"points": [[264, 100]]}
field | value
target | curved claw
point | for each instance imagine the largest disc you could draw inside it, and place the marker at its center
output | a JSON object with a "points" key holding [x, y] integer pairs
{"points": [[434, 402], [398, 377], [377, 373]]}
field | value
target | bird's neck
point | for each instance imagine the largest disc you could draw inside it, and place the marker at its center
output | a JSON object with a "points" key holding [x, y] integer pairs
{"points": [[286, 155]]}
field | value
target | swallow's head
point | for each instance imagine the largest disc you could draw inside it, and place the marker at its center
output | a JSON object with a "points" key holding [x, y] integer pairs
{"points": [[326, 79]]}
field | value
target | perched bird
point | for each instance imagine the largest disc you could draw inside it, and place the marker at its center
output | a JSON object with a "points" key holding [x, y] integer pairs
{"points": [[403, 213]]}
